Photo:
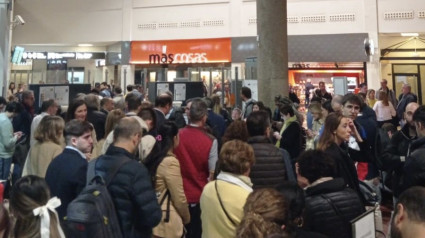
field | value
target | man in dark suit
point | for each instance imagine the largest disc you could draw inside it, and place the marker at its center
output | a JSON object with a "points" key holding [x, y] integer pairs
{"points": [[66, 174], [163, 105]]}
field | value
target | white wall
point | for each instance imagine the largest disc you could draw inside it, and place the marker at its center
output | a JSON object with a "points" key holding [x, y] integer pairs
{"points": [[80, 21], [414, 24], [63, 21]]}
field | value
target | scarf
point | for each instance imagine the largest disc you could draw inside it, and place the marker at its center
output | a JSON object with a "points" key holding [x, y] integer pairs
{"points": [[285, 125], [236, 180]]}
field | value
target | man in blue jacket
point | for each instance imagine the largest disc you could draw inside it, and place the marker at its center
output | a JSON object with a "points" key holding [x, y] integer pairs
{"points": [[66, 174], [131, 189]]}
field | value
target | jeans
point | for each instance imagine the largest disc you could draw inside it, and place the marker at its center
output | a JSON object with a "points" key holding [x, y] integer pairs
{"points": [[5, 164]]}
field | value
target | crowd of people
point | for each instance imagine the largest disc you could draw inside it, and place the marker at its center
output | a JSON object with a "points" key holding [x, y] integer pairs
{"points": [[202, 171]]}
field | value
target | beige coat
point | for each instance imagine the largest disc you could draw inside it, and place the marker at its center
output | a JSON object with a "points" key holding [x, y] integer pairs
{"points": [[168, 176], [39, 158]]}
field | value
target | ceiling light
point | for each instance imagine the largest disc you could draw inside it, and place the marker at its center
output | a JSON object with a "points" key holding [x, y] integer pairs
{"points": [[409, 34], [85, 45]]}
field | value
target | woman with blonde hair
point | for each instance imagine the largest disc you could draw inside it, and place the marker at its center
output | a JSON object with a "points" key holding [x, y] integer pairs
{"points": [[34, 210], [48, 145], [384, 109], [315, 109], [264, 214]]}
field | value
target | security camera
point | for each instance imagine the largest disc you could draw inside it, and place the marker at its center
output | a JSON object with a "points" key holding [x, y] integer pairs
{"points": [[19, 20]]}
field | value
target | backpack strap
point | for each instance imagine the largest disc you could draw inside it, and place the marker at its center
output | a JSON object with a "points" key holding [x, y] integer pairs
{"points": [[167, 212], [222, 207], [114, 170]]}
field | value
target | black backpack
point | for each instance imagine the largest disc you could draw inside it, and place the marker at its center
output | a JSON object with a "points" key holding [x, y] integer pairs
{"points": [[92, 213]]}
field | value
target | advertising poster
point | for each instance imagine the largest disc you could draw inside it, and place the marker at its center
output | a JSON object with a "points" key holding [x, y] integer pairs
{"points": [[46, 93], [162, 88], [179, 92], [62, 95]]}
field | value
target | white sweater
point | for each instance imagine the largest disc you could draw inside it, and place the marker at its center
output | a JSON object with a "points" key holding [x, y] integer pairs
{"points": [[384, 113]]}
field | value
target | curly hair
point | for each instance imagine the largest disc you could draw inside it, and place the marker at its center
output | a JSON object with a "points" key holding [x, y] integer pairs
{"points": [[237, 130], [236, 157], [264, 214]]}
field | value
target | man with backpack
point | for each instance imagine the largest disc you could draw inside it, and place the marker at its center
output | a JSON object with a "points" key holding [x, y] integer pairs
{"points": [[66, 174], [131, 189]]}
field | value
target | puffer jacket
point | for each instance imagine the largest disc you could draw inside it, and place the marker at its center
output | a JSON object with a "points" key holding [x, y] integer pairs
{"points": [[414, 167], [329, 208], [131, 190], [269, 168]]}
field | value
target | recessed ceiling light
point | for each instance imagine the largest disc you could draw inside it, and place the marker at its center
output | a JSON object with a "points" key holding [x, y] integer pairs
{"points": [[409, 34], [85, 45]]}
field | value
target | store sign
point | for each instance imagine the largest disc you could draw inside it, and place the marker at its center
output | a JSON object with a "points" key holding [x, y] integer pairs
{"points": [[66, 55], [181, 51]]}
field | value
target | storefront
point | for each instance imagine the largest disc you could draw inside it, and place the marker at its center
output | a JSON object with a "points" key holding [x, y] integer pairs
{"points": [[57, 67], [403, 61], [311, 57], [200, 60], [300, 73]]}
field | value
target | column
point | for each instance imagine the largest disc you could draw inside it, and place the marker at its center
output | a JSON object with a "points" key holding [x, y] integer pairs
{"points": [[373, 66], [272, 50], [5, 39]]}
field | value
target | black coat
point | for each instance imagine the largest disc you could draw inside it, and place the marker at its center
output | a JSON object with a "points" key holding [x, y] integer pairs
{"points": [[98, 120], [291, 140], [269, 169], [66, 177], [414, 167], [22, 122], [331, 220], [160, 119], [132, 193], [403, 100], [345, 167], [391, 157]]}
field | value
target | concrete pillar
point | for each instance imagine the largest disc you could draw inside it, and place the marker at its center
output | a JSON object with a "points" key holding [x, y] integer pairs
{"points": [[127, 76], [5, 39], [373, 66], [272, 50]]}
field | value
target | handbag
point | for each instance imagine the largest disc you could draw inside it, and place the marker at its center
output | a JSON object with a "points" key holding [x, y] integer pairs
{"points": [[171, 224]]}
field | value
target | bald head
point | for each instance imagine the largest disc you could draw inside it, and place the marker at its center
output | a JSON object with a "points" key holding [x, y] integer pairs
{"points": [[410, 110], [336, 103], [126, 128]]}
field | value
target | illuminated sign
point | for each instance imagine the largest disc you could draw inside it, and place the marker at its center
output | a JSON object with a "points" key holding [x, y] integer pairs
{"points": [[65, 55], [181, 51]]}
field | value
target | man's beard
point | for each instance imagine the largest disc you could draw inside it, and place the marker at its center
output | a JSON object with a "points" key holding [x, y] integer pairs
{"points": [[395, 232]]}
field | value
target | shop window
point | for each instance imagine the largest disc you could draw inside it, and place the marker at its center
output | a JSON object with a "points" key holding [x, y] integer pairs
{"points": [[75, 75]]}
